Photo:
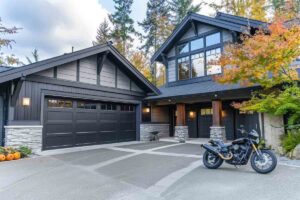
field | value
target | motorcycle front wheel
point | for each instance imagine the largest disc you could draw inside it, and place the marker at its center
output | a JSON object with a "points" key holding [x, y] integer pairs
{"points": [[265, 163], [211, 161]]}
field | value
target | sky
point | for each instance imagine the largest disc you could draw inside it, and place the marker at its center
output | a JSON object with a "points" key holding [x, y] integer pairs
{"points": [[55, 26]]}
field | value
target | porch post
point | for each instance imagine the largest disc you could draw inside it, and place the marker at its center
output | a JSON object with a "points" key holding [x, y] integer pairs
{"points": [[181, 130], [217, 131]]}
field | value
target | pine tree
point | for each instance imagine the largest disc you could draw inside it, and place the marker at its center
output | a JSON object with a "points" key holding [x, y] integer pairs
{"points": [[157, 27], [35, 56], [122, 26], [180, 8], [103, 33]]}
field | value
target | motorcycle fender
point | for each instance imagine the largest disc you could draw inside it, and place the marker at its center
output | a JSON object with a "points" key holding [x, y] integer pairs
{"points": [[210, 149]]}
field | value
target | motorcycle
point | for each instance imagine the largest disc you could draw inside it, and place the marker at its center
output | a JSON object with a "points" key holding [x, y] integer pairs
{"points": [[238, 153]]}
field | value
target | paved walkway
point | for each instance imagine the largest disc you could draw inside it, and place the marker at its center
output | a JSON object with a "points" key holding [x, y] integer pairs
{"points": [[141, 171]]}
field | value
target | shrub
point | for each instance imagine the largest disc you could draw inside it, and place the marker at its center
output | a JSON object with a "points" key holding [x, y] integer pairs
{"points": [[290, 140], [25, 151]]}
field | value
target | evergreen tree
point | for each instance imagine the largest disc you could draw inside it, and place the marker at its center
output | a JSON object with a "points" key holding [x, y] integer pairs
{"points": [[122, 26], [103, 33], [157, 27], [180, 8], [35, 56]]}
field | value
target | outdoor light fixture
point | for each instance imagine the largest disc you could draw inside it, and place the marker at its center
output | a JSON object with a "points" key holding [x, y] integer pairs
{"points": [[192, 114], [26, 101], [147, 110]]}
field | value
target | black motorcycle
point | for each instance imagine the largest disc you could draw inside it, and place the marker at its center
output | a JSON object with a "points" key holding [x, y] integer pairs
{"points": [[239, 152]]}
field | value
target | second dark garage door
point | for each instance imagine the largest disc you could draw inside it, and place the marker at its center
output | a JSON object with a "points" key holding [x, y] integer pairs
{"points": [[69, 123]]}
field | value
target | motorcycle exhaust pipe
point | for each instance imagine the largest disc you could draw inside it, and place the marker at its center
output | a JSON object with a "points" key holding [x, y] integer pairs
{"points": [[212, 150]]}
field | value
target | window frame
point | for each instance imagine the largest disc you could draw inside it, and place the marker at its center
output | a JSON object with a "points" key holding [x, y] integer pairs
{"points": [[201, 50]]}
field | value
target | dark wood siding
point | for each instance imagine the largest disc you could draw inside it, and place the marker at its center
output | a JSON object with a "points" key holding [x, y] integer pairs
{"points": [[36, 90]]}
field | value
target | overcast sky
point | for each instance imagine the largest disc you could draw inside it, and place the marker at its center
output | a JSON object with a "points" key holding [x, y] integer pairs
{"points": [[54, 26]]}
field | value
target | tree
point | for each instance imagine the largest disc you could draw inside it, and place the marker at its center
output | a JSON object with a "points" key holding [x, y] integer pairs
{"points": [[254, 9], [7, 60], [35, 56], [157, 27], [122, 25], [180, 9], [103, 33], [140, 61], [264, 59], [287, 8]]}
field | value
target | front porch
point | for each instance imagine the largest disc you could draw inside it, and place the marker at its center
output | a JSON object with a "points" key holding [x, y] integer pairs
{"points": [[198, 117]]}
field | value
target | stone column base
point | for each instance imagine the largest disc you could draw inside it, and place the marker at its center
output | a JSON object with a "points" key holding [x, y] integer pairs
{"points": [[217, 132], [30, 136], [181, 133]]}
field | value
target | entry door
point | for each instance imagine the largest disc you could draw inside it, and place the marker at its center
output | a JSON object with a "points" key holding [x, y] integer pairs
{"points": [[204, 122], [250, 120], [1, 120]]}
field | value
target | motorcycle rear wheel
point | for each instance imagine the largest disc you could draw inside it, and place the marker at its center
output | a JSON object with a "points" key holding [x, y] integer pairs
{"points": [[211, 161], [266, 165]]}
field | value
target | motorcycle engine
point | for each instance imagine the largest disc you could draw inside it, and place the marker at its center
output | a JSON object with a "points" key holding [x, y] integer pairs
{"points": [[239, 152]]}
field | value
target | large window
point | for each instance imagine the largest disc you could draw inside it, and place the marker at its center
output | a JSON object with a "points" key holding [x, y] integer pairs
{"points": [[59, 103], [197, 44], [213, 39], [201, 57], [183, 48], [183, 68], [198, 65], [211, 57]]}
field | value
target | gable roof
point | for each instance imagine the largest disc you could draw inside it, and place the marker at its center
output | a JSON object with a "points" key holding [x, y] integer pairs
{"points": [[222, 20], [241, 20], [5, 68], [14, 73]]}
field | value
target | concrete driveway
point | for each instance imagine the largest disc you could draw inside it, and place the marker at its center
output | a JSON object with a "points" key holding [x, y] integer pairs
{"points": [[154, 171]]}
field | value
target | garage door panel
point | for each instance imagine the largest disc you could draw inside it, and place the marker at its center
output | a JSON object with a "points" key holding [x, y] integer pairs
{"points": [[59, 115], [59, 128], [87, 125], [59, 141], [85, 138]]}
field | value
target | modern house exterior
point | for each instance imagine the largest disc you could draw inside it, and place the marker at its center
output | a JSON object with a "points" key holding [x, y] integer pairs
{"points": [[96, 96]]}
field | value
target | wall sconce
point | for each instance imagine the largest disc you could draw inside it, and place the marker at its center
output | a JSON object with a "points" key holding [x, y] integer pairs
{"points": [[146, 110], [192, 114], [26, 101], [223, 113]]}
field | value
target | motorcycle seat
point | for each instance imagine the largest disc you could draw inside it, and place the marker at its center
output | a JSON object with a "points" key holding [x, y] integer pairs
{"points": [[220, 143]]}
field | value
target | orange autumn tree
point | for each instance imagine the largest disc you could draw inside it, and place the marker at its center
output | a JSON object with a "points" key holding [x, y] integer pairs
{"points": [[265, 59]]}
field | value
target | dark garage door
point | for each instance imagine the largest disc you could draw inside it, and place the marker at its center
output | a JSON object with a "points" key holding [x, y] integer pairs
{"points": [[69, 123]]}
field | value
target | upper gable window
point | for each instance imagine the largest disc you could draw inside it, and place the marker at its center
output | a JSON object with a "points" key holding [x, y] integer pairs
{"points": [[213, 39], [197, 44], [183, 48], [184, 68]]}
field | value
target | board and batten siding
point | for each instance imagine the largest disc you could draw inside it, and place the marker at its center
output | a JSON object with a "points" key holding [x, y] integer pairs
{"points": [[88, 74], [172, 71], [88, 70], [67, 71], [108, 74], [46, 73], [123, 82]]}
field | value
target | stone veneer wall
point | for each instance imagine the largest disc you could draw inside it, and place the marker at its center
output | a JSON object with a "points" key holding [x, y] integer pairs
{"points": [[181, 133], [217, 132], [145, 129], [30, 136], [273, 129]]}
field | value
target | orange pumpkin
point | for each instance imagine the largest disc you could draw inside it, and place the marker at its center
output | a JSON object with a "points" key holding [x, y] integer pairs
{"points": [[2, 157], [17, 155], [9, 157]]}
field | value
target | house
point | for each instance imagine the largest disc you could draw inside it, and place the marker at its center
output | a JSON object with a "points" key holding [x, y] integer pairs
{"points": [[191, 103], [91, 96], [95, 96]]}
